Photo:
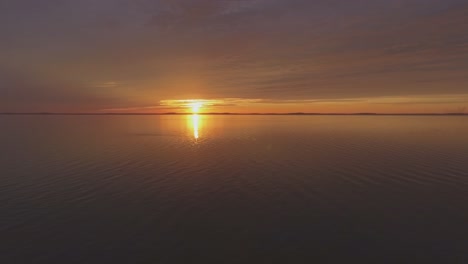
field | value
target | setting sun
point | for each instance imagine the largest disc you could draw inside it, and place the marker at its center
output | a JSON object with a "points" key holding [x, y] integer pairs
{"points": [[195, 107]]}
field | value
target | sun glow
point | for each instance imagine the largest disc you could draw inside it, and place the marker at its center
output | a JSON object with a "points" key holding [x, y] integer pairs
{"points": [[195, 107]]}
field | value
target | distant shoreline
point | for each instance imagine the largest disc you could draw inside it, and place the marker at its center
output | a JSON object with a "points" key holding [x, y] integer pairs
{"points": [[251, 114]]}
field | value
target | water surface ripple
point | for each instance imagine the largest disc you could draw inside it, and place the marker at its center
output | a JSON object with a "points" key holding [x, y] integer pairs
{"points": [[233, 189]]}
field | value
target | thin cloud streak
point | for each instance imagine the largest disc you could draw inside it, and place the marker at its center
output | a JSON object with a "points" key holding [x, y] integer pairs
{"points": [[244, 104]]}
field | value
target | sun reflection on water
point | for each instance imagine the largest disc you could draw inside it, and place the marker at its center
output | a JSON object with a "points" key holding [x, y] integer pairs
{"points": [[196, 126]]}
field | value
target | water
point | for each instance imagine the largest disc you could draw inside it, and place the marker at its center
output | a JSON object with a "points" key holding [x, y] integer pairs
{"points": [[233, 189]]}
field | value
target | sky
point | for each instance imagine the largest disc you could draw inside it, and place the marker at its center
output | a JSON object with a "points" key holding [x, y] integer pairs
{"points": [[383, 56]]}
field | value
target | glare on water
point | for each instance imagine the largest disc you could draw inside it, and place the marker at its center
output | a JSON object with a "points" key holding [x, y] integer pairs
{"points": [[195, 126]]}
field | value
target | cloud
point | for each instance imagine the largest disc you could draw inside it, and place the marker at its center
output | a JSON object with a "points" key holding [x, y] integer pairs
{"points": [[120, 53], [21, 91], [106, 85], [244, 104]]}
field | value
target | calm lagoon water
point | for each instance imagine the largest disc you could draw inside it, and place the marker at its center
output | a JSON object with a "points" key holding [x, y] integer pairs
{"points": [[233, 189]]}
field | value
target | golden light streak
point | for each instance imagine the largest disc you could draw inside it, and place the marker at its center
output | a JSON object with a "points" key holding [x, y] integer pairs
{"points": [[195, 126]]}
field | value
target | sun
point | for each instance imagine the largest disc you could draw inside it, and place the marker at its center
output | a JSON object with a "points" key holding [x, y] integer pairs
{"points": [[195, 106]]}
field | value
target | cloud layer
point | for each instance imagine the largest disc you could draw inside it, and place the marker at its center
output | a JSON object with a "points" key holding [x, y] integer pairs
{"points": [[91, 55]]}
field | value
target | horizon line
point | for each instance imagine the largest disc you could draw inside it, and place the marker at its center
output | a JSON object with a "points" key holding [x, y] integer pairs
{"points": [[231, 113]]}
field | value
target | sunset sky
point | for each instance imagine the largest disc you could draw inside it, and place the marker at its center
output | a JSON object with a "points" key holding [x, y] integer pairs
{"points": [[385, 56]]}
